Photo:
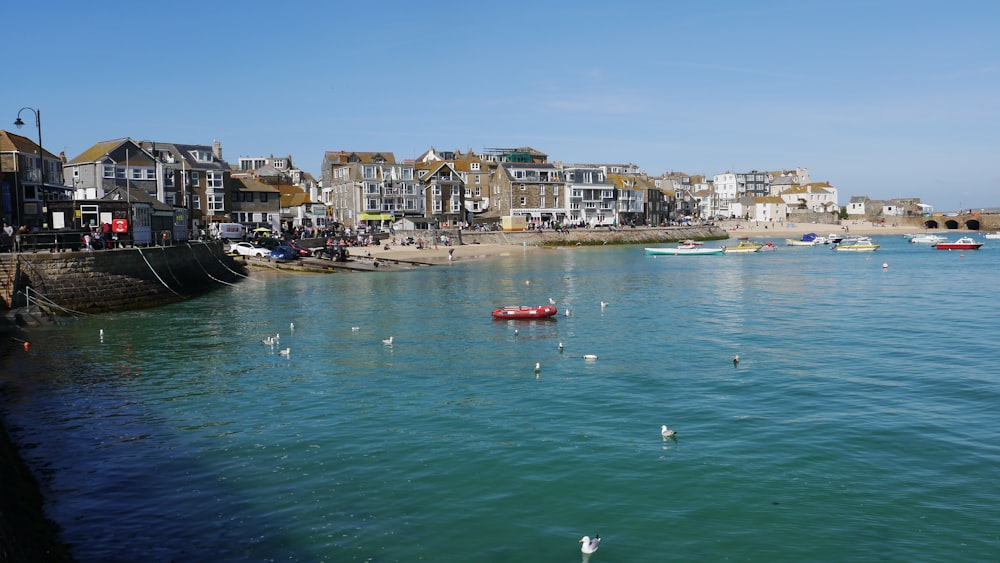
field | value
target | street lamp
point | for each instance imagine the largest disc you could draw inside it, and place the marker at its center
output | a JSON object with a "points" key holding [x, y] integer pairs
{"points": [[41, 153]]}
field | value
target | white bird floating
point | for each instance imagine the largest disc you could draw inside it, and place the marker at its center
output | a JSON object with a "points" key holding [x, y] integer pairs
{"points": [[590, 357], [666, 432], [387, 341], [566, 312], [736, 360], [267, 341], [560, 346], [590, 545], [604, 304], [355, 328], [286, 352], [538, 367], [552, 301], [291, 327]]}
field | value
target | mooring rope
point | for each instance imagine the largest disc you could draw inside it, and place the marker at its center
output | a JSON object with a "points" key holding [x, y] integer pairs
{"points": [[238, 274], [151, 269], [169, 269], [195, 255]]}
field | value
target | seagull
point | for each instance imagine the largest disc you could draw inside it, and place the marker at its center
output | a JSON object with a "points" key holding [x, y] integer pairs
{"points": [[291, 327], [566, 312], [560, 346], [102, 333], [277, 337], [590, 545], [552, 301], [590, 357], [516, 332], [538, 367], [287, 352], [736, 360], [387, 341], [355, 328], [267, 341], [666, 432], [604, 304]]}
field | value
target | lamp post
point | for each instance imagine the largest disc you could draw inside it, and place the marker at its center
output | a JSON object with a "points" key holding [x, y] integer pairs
{"points": [[41, 156]]}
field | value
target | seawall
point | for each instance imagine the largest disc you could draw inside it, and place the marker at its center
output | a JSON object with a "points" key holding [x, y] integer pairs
{"points": [[573, 237], [115, 280]]}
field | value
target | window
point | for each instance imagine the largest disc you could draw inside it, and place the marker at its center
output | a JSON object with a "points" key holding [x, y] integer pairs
{"points": [[524, 201], [436, 189], [196, 201], [541, 190], [523, 187], [479, 191], [541, 201], [137, 173], [474, 166], [368, 172], [109, 170], [406, 174], [437, 205], [263, 197], [150, 173], [213, 179], [216, 203], [477, 177], [76, 171], [372, 204], [578, 193]]}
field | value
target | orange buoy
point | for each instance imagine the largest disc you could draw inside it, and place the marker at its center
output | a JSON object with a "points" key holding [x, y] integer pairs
{"points": [[26, 345]]}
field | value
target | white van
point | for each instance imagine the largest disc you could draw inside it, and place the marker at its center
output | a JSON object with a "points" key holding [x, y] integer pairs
{"points": [[232, 231]]}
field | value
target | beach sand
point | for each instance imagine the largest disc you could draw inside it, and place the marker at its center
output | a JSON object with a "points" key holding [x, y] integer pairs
{"points": [[776, 232]]}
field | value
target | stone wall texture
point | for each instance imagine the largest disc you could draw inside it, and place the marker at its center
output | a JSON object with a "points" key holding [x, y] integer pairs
{"points": [[115, 280]]}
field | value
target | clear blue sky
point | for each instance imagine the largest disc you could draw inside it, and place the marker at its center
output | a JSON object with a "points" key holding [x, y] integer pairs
{"points": [[881, 98]]}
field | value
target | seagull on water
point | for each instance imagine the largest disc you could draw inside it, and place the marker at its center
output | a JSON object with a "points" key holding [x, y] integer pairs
{"points": [[291, 327], [552, 301], [355, 328], [287, 352], [538, 367], [387, 341], [604, 304], [560, 346], [736, 360], [666, 432], [590, 357], [267, 341], [590, 545]]}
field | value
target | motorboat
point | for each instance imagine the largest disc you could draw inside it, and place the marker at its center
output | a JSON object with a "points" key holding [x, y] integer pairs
{"points": [[927, 238], [808, 239], [768, 247], [685, 250], [524, 312], [964, 243], [992, 235], [744, 247], [856, 244]]}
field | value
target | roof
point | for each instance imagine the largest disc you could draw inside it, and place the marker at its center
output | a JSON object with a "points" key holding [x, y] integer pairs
{"points": [[344, 157], [252, 185], [12, 142]]}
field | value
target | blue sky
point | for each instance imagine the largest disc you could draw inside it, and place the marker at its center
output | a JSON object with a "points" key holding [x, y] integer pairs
{"points": [[880, 98]]}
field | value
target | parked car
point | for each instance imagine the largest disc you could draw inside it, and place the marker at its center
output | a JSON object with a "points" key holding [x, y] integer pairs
{"points": [[303, 251], [268, 242], [248, 249], [283, 252]]}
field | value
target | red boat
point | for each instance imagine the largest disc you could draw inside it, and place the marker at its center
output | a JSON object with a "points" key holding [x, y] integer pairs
{"points": [[964, 243], [524, 312]]}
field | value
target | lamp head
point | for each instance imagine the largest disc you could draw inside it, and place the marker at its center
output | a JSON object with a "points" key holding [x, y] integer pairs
{"points": [[19, 123]]}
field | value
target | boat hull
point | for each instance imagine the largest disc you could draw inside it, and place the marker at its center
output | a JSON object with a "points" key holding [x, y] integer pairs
{"points": [[679, 251], [952, 246], [524, 312]]}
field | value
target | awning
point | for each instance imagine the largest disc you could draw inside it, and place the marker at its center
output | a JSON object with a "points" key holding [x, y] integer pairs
{"points": [[375, 217]]}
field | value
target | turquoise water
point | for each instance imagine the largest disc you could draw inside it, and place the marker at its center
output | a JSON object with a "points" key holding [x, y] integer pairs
{"points": [[861, 424]]}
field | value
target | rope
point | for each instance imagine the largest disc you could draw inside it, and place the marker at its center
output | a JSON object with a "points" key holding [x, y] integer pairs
{"points": [[195, 255], [139, 250], [235, 273], [170, 270]]}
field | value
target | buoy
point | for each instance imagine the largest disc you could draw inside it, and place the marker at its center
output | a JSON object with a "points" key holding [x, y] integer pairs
{"points": [[26, 345], [560, 346], [590, 357], [885, 265]]}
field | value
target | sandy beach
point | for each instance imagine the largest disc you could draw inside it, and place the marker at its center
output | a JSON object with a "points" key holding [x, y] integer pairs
{"points": [[777, 232]]}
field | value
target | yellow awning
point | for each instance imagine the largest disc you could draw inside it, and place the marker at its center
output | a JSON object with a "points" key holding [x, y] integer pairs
{"points": [[375, 217]]}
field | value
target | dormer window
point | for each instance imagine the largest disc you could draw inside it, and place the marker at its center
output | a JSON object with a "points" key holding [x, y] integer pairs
{"points": [[202, 156], [474, 166]]}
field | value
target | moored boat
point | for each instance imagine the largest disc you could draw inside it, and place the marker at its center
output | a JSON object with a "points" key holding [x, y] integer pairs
{"points": [[992, 236], [684, 250], [524, 312], [808, 239], [856, 244], [744, 247], [927, 238], [964, 243]]}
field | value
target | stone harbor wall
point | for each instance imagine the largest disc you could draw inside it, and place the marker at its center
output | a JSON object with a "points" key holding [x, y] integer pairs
{"points": [[115, 280]]}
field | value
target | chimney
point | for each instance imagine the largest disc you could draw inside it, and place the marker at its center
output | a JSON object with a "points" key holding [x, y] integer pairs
{"points": [[62, 156], [217, 149]]}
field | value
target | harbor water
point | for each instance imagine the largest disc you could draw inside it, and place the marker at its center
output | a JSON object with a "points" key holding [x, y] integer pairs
{"points": [[862, 422]]}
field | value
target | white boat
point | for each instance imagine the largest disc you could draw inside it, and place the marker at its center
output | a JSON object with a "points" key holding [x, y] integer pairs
{"points": [[993, 236], [798, 242], [927, 238], [685, 250], [856, 244]]}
